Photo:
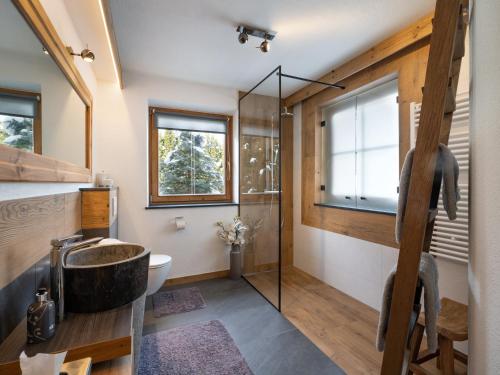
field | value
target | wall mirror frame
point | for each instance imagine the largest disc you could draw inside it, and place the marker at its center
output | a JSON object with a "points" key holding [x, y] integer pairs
{"points": [[19, 165]]}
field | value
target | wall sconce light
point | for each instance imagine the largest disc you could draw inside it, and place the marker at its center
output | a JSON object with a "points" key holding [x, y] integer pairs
{"points": [[245, 31], [86, 54]]}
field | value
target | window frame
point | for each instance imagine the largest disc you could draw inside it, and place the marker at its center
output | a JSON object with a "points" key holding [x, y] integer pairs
{"points": [[409, 64], [354, 95], [37, 120], [199, 199]]}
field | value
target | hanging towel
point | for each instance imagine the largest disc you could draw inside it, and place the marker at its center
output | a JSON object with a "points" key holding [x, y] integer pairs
{"points": [[428, 274], [451, 193]]}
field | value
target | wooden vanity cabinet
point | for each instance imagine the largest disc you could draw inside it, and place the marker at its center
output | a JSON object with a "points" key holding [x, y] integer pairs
{"points": [[99, 212]]}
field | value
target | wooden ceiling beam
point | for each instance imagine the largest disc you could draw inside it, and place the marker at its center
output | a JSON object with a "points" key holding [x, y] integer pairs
{"points": [[388, 47]]}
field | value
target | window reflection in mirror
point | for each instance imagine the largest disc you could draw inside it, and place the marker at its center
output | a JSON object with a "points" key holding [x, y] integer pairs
{"points": [[40, 112], [20, 120]]}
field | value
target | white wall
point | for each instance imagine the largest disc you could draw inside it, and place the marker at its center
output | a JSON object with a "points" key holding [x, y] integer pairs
{"points": [[357, 267], [484, 268], [121, 149]]}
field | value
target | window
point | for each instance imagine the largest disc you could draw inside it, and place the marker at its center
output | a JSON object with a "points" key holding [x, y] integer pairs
{"points": [[190, 157], [360, 167], [20, 123]]}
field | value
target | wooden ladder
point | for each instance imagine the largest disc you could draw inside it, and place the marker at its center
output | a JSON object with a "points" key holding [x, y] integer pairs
{"points": [[445, 56]]}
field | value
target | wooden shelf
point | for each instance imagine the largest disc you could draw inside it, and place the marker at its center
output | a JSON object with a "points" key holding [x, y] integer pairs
{"points": [[80, 367], [118, 366], [102, 336]]}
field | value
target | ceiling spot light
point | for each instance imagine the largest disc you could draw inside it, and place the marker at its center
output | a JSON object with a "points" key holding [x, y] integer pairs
{"points": [[243, 38], [44, 50], [245, 31], [265, 46], [86, 54]]}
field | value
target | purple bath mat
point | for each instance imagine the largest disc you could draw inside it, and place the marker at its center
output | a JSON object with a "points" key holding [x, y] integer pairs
{"points": [[177, 301], [203, 348]]}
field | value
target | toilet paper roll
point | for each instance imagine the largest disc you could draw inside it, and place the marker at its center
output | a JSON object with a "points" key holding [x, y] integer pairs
{"points": [[107, 182], [180, 223]]}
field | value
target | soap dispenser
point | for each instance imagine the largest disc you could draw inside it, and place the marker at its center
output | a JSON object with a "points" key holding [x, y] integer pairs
{"points": [[41, 318]]}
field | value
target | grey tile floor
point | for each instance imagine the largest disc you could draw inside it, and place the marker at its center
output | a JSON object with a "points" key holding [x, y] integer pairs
{"points": [[269, 342]]}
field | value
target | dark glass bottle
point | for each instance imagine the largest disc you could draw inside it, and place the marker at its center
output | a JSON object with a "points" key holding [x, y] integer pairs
{"points": [[41, 318]]}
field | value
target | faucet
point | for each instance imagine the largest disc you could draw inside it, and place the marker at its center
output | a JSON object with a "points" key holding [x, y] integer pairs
{"points": [[61, 247]]}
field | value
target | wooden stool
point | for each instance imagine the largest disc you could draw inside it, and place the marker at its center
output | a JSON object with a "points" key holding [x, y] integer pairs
{"points": [[451, 326]]}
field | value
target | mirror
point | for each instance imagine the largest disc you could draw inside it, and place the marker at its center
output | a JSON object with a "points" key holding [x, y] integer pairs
{"points": [[40, 112]]}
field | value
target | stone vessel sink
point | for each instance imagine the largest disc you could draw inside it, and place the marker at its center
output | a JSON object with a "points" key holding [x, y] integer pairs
{"points": [[102, 277]]}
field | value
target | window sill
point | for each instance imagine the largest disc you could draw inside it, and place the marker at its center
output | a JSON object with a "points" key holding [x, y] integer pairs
{"points": [[390, 213], [189, 205]]}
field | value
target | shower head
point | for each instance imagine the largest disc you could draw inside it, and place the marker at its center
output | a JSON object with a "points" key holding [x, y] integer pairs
{"points": [[285, 112]]}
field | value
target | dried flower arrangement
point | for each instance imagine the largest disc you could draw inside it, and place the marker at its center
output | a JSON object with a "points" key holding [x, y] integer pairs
{"points": [[232, 233]]}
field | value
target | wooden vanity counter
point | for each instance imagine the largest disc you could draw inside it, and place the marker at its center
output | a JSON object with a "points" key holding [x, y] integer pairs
{"points": [[102, 336]]}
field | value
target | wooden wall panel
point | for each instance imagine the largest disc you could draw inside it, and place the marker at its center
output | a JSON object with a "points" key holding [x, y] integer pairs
{"points": [[72, 213], [410, 35], [27, 226], [409, 66], [20, 165]]}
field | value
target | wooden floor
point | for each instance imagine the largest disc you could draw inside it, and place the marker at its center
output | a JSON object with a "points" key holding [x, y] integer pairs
{"points": [[342, 327]]}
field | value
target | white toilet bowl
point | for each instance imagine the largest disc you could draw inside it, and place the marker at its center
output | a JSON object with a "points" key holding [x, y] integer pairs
{"points": [[159, 268]]}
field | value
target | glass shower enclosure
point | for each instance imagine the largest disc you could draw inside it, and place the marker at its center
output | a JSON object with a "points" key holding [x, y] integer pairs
{"points": [[260, 185]]}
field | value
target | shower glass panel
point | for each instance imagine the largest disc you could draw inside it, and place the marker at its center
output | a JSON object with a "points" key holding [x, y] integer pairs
{"points": [[260, 185]]}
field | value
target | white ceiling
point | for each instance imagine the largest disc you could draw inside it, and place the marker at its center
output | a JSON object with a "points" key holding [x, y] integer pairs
{"points": [[195, 40]]}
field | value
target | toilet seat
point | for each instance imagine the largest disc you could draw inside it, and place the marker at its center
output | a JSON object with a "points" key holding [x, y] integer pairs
{"points": [[159, 268], [159, 260]]}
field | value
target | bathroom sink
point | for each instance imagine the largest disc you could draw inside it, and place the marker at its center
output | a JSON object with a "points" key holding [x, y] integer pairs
{"points": [[104, 276]]}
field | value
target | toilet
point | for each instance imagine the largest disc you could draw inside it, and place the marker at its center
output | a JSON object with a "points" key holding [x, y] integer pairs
{"points": [[159, 268]]}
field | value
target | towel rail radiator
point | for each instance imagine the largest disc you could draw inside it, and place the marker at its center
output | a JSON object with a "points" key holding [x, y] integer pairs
{"points": [[450, 239]]}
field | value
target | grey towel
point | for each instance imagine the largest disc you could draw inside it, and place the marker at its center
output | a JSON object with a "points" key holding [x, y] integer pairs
{"points": [[428, 274], [451, 193]]}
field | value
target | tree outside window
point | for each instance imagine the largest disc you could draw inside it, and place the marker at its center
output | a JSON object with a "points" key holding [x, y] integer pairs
{"points": [[190, 157], [190, 162], [17, 132]]}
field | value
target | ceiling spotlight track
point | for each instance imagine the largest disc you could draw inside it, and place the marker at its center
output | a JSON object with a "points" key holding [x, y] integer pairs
{"points": [[245, 31]]}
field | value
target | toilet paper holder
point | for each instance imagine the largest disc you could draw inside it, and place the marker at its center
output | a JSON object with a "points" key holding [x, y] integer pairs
{"points": [[180, 223]]}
